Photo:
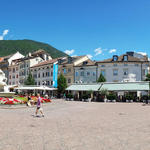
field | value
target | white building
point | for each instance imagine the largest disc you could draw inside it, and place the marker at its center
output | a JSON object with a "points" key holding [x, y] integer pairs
{"points": [[43, 73], [124, 68], [6, 62], [20, 68], [86, 72]]}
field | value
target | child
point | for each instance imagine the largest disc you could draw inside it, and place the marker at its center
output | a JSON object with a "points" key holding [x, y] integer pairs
{"points": [[38, 108]]}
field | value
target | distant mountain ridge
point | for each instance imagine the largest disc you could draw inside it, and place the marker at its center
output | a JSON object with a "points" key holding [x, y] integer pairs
{"points": [[8, 47]]}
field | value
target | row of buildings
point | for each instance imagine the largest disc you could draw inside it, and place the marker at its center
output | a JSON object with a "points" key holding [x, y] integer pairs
{"points": [[129, 67]]}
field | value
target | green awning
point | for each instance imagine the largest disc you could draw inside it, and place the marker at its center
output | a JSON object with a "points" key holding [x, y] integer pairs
{"points": [[122, 86], [84, 87], [126, 86]]}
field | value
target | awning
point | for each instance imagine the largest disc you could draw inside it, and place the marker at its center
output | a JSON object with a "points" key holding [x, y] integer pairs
{"points": [[126, 86], [35, 88], [84, 87], [122, 86]]}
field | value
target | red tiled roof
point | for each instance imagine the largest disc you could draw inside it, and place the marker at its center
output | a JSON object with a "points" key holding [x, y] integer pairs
{"points": [[1, 59]]}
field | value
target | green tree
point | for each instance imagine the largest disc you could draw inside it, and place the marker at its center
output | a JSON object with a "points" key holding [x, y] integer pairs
{"points": [[101, 78], [30, 80], [62, 84], [103, 92], [147, 77]]}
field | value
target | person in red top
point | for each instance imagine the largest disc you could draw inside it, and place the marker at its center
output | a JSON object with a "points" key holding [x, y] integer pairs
{"points": [[38, 108]]}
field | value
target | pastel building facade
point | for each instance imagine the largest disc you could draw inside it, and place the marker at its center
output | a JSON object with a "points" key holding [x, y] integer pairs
{"points": [[20, 68], [124, 68], [43, 73], [67, 65], [86, 72]]}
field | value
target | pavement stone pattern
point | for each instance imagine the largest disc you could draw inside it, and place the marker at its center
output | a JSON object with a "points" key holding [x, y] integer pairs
{"points": [[72, 125]]}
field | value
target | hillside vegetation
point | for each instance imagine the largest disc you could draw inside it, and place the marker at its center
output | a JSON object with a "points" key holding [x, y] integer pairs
{"points": [[8, 47]]}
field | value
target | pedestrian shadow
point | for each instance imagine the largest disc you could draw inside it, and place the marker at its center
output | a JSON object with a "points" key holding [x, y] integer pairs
{"points": [[36, 116], [145, 104]]}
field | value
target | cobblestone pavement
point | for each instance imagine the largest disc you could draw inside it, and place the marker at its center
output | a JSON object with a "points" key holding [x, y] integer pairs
{"points": [[70, 125]]}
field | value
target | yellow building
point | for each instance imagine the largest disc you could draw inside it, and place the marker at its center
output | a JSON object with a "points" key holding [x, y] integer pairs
{"points": [[66, 67]]}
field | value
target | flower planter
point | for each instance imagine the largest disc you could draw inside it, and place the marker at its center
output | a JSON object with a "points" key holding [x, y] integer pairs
{"points": [[114, 101]]}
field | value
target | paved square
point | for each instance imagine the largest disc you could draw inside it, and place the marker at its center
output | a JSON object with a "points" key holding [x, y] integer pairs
{"points": [[77, 126]]}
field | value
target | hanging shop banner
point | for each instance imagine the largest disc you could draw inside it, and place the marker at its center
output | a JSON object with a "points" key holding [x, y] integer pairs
{"points": [[55, 72]]}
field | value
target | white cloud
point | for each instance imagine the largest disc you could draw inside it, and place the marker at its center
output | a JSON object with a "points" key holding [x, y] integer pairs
{"points": [[74, 56], [1, 37], [142, 53], [5, 32], [112, 50], [69, 52], [98, 51], [90, 56]]}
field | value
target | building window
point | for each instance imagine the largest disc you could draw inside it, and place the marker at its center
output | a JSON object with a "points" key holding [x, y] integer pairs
{"points": [[10, 77], [76, 74], [35, 75], [51, 82], [48, 74], [69, 69], [145, 72], [69, 80], [146, 65], [82, 73], [17, 76], [39, 75], [115, 58], [43, 74], [51, 74], [39, 83], [88, 73], [125, 58], [13, 69], [136, 65], [64, 70], [125, 64], [94, 74], [125, 72], [115, 72], [103, 72], [102, 65]]}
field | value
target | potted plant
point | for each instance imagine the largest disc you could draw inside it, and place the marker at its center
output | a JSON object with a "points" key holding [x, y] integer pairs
{"points": [[129, 98], [85, 97], [145, 98], [103, 92], [111, 97]]}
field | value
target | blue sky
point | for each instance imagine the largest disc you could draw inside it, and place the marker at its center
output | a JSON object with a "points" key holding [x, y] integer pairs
{"points": [[100, 28]]}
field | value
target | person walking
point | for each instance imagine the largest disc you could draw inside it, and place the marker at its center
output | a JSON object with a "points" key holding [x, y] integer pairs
{"points": [[39, 108], [29, 100]]}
